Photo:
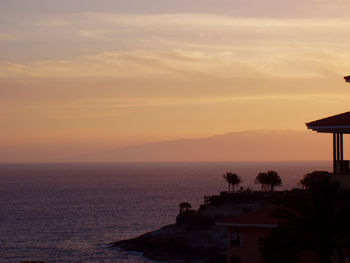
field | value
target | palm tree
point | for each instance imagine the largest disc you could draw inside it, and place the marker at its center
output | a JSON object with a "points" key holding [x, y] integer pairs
{"points": [[273, 179], [232, 179], [227, 179], [261, 178], [269, 179], [319, 224]]}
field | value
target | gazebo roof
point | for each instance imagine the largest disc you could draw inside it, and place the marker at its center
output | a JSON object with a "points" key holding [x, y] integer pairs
{"points": [[339, 123]]}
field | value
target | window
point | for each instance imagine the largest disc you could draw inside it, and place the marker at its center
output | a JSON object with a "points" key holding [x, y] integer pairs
{"points": [[235, 239]]}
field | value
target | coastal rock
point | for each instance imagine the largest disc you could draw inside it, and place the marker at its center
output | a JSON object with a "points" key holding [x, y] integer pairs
{"points": [[180, 243], [195, 237]]}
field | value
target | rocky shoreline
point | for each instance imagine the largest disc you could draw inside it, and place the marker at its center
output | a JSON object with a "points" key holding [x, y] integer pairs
{"points": [[180, 243], [195, 237]]}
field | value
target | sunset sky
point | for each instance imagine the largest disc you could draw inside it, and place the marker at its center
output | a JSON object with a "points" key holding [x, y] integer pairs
{"points": [[88, 75]]}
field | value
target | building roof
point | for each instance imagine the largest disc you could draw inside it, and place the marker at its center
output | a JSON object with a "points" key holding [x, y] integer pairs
{"points": [[339, 123], [258, 218]]}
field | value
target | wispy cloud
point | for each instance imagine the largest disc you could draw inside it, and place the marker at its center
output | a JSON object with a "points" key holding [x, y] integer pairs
{"points": [[186, 22], [6, 37], [160, 64], [94, 33], [287, 47], [160, 69], [160, 102]]}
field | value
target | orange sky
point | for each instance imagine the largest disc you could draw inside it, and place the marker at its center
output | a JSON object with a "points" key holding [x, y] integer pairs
{"points": [[108, 74]]}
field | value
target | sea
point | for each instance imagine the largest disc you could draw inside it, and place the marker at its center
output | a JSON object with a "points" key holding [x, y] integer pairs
{"points": [[72, 212]]}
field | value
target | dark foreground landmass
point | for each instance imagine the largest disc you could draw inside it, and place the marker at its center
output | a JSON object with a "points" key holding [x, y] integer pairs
{"points": [[180, 243], [195, 237]]}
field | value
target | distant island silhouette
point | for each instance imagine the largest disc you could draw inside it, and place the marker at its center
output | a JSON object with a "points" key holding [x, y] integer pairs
{"points": [[259, 145]]}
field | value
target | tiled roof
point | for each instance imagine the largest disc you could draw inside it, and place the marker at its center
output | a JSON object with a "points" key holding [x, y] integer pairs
{"points": [[258, 218]]}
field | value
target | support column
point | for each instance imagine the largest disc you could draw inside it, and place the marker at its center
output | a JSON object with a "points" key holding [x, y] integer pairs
{"points": [[338, 148], [334, 153], [341, 147], [341, 152]]}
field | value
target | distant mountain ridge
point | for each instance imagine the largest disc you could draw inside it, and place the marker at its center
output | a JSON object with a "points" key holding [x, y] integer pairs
{"points": [[258, 145]]}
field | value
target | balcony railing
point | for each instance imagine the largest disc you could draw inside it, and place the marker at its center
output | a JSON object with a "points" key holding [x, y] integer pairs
{"points": [[342, 166]]}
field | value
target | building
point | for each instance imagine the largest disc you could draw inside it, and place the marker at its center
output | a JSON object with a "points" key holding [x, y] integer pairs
{"points": [[338, 125], [244, 232]]}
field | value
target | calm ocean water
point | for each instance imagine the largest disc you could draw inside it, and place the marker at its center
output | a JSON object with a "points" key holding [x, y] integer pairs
{"points": [[71, 212]]}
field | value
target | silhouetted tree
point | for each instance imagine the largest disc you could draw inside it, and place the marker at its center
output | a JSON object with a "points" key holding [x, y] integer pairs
{"points": [[227, 177], [319, 224], [232, 179], [314, 177], [273, 179], [269, 179], [279, 246], [261, 179], [184, 207]]}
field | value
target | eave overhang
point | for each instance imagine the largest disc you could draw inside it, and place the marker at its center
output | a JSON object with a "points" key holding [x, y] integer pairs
{"points": [[247, 225]]}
